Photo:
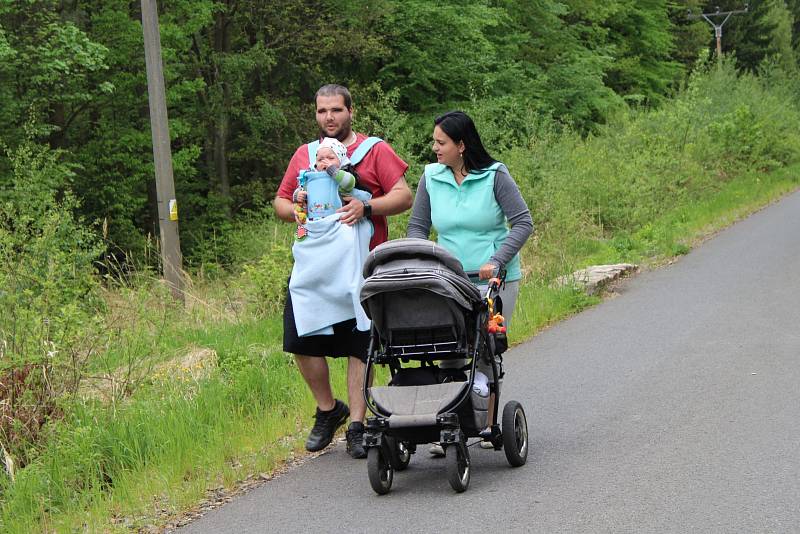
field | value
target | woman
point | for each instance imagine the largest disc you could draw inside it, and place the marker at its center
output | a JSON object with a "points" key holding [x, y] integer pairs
{"points": [[470, 199]]}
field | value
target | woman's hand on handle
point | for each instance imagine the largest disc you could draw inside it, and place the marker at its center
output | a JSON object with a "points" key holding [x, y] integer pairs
{"points": [[487, 271]]}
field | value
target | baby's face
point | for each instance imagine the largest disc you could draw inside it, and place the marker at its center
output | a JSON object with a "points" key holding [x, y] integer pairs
{"points": [[326, 158]]}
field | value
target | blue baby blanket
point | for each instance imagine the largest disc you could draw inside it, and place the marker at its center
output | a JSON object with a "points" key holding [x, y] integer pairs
{"points": [[326, 277]]}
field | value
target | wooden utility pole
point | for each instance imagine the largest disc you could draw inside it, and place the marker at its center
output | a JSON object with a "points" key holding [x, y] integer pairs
{"points": [[718, 27], [162, 155]]}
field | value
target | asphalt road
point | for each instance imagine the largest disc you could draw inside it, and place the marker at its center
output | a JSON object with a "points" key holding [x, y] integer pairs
{"points": [[674, 407]]}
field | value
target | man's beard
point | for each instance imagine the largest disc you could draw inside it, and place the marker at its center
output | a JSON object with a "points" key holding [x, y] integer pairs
{"points": [[341, 134]]}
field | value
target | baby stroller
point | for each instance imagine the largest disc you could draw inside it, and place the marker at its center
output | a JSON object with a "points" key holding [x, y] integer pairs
{"points": [[424, 309]]}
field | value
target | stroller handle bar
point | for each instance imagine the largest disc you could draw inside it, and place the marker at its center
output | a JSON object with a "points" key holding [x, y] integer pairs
{"points": [[495, 283]]}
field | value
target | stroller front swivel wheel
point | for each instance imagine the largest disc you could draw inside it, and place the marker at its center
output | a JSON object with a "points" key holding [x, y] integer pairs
{"points": [[515, 434], [380, 470], [457, 459], [400, 454]]}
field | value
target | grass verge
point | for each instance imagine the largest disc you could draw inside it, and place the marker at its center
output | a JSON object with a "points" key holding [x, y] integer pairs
{"points": [[182, 439]]}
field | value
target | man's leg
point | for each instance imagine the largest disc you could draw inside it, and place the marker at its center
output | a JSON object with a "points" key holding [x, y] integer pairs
{"points": [[358, 407], [355, 388], [330, 413], [315, 372]]}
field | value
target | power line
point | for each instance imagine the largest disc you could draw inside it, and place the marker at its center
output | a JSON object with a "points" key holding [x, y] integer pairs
{"points": [[718, 26]]}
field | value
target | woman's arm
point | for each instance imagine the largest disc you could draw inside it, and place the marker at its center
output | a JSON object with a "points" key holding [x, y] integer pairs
{"points": [[419, 225], [516, 211]]}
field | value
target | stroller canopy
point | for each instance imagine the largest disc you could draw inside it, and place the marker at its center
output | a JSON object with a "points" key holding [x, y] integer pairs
{"points": [[419, 264]]}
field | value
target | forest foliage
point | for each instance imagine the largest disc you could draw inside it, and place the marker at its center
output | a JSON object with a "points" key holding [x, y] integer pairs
{"points": [[241, 76]]}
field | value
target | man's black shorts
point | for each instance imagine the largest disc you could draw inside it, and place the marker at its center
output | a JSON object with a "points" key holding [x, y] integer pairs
{"points": [[345, 341]]}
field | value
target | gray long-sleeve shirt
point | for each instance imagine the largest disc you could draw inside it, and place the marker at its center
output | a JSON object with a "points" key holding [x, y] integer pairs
{"points": [[508, 197]]}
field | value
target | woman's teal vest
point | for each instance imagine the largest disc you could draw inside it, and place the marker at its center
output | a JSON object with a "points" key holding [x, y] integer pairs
{"points": [[467, 217]]}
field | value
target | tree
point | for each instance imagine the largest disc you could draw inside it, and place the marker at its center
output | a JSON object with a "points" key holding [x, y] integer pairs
{"points": [[564, 74], [440, 52], [794, 11], [764, 32], [47, 69], [638, 35], [691, 36]]}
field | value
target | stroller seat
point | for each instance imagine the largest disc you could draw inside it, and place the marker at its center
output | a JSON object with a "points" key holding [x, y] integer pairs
{"points": [[411, 406]]}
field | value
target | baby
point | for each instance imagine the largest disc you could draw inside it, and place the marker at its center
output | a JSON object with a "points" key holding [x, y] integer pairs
{"points": [[331, 157]]}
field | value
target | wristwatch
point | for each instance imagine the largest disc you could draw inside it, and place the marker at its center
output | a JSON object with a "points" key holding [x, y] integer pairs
{"points": [[367, 208]]}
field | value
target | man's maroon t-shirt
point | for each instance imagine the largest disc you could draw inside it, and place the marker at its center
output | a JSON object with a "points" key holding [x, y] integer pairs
{"points": [[379, 171]]}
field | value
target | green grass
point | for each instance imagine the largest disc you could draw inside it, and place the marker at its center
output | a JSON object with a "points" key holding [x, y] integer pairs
{"points": [[676, 232], [176, 437], [539, 305]]}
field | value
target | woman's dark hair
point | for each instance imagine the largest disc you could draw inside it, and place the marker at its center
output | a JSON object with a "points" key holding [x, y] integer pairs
{"points": [[459, 127]]}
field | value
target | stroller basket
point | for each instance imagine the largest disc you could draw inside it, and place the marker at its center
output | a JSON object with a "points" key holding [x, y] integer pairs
{"points": [[411, 406]]}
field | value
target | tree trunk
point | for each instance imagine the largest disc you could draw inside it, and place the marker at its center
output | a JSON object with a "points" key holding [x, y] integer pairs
{"points": [[222, 47], [221, 146], [58, 119]]}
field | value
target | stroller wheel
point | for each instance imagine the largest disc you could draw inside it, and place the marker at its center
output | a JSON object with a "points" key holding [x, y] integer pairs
{"points": [[457, 459], [380, 470], [400, 454], [515, 434]]}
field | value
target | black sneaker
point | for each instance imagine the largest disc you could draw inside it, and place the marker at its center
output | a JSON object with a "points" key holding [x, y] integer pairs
{"points": [[325, 426], [355, 440]]}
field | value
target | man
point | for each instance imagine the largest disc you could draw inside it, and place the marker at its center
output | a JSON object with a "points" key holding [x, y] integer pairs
{"points": [[382, 172]]}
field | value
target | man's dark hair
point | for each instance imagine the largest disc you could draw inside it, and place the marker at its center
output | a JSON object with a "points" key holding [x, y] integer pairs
{"points": [[333, 89], [459, 127]]}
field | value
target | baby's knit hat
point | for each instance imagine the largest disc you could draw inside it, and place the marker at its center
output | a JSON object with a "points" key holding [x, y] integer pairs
{"points": [[338, 148]]}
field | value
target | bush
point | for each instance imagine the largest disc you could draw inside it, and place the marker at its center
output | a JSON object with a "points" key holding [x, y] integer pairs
{"points": [[263, 280], [585, 193], [48, 294]]}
